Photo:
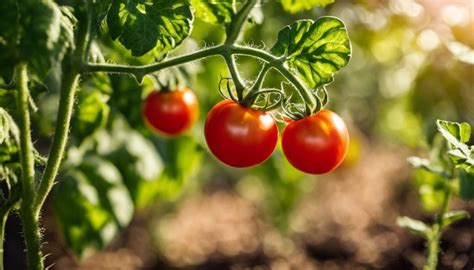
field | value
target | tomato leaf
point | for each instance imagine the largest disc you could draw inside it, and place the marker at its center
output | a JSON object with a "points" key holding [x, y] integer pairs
{"points": [[47, 34], [414, 226], [294, 6], [457, 134], [314, 50], [9, 151], [214, 11], [142, 26], [421, 163]]}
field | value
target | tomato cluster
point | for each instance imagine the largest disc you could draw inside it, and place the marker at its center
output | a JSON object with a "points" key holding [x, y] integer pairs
{"points": [[242, 137]]}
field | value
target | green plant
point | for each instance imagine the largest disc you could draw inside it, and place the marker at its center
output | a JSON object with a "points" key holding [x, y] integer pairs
{"points": [[450, 171], [58, 46]]}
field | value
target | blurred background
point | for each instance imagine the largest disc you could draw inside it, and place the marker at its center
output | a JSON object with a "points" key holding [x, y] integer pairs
{"points": [[129, 199]]}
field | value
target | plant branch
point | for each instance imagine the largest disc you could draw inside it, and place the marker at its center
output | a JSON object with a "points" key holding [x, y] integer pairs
{"points": [[140, 71], [235, 28], [251, 94], [234, 73], [66, 102], [273, 61], [29, 221]]}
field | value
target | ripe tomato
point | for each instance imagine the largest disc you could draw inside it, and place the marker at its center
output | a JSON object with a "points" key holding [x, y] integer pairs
{"points": [[240, 136], [316, 144], [170, 112]]}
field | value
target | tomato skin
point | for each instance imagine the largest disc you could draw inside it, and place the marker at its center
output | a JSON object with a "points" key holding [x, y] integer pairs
{"points": [[316, 144], [170, 113], [240, 136]]}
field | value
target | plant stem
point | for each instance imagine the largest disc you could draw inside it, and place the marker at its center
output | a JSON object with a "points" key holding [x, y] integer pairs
{"points": [[140, 71], [239, 85], [29, 221], [273, 61], [3, 220], [251, 94], [66, 102], [234, 30], [436, 232]]}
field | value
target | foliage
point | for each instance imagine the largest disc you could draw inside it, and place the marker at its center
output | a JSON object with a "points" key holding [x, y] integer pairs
{"points": [[451, 162]]}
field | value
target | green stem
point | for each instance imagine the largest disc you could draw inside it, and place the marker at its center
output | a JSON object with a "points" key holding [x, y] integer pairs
{"points": [[66, 102], [251, 94], [232, 66], [140, 71], [436, 232], [29, 221], [3, 220], [234, 30], [275, 62]]}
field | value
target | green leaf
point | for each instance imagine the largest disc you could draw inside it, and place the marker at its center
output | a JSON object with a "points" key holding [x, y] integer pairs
{"points": [[454, 216], [182, 157], [9, 151], [421, 163], [466, 185], [294, 6], [106, 179], [314, 50], [455, 133], [47, 34], [142, 26], [85, 224], [217, 12], [414, 226], [134, 156]]}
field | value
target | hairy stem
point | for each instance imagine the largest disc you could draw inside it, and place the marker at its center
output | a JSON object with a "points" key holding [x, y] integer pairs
{"points": [[29, 221], [66, 102], [271, 60]]}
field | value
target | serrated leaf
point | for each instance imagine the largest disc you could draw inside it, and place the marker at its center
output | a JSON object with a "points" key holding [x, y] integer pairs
{"points": [[294, 6], [455, 133], [314, 50], [217, 12], [414, 226], [466, 185], [454, 216], [142, 26]]}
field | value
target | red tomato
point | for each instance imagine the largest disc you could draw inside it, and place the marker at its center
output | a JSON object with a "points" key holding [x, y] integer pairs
{"points": [[170, 112], [316, 144], [240, 136]]}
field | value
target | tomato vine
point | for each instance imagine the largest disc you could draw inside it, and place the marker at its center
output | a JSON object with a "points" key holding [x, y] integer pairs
{"points": [[68, 46]]}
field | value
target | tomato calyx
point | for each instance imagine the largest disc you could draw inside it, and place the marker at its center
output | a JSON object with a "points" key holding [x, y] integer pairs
{"points": [[296, 111]]}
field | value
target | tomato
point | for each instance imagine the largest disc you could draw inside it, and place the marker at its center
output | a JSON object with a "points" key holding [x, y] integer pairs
{"points": [[240, 136], [316, 144], [170, 113]]}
